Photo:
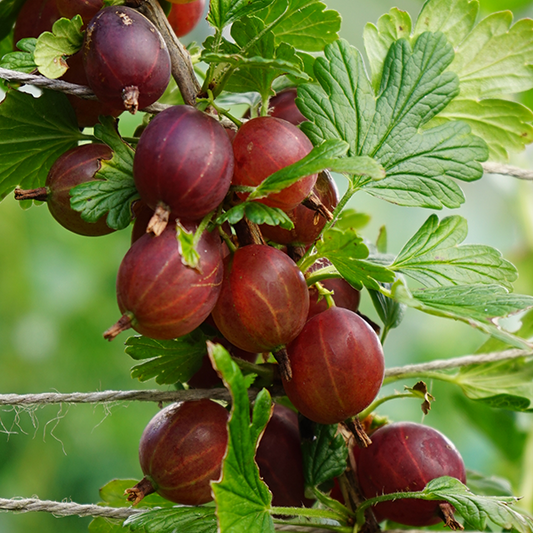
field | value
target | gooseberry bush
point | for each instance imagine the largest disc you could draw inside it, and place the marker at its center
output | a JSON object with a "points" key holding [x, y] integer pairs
{"points": [[247, 267]]}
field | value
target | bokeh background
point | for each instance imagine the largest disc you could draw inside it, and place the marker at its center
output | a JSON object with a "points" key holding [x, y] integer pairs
{"points": [[57, 296]]}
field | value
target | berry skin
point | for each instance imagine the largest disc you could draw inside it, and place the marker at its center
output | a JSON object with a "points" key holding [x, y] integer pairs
{"points": [[87, 9], [126, 60], [264, 145], [263, 302], [158, 295], [184, 161], [35, 17], [282, 106], [337, 367], [181, 452], [405, 456]]}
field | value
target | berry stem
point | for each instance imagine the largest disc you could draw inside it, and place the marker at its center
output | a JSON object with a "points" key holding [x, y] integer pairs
{"points": [[372, 407], [40, 194]]}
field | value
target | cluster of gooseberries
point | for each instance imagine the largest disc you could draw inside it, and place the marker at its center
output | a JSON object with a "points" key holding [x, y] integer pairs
{"points": [[247, 284]]}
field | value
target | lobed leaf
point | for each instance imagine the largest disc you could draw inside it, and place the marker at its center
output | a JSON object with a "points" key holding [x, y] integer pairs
{"points": [[34, 132], [23, 61], [65, 39], [304, 24], [419, 165], [187, 249], [390, 311], [435, 257], [504, 125], [168, 361], [488, 485], [394, 25], [325, 456], [496, 58], [242, 498], [258, 213], [113, 190]]}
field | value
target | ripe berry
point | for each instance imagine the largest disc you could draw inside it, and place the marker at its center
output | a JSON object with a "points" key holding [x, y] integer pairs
{"points": [[282, 106], [183, 161], [126, 60], [78, 165], [159, 295], [263, 301], [181, 452], [185, 16], [405, 456], [279, 458], [344, 295], [264, 145], [337, 367]]}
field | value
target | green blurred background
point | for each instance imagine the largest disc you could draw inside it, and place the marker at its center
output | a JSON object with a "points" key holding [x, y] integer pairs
{"points": [[57, 296]]}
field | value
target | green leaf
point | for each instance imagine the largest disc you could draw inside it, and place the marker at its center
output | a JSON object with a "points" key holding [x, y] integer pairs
{"points": [[434, 257], [305, 24], [350, 218], [257, 213], [189, 255], [197, 519], [454, 18], [34, 132], [496, 58], [21, 61], [9, 9], [503, 385], [414, 87], [242, 498], [504, 125], [478, 510], [325, 456], [65, 39], [168, 361], [394, 25], [114, 189], [476, 305], [224, 12], [346, 250]]}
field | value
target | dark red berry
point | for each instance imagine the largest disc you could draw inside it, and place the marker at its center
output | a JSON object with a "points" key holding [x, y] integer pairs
{"points": [[158, 295], [264, 145], [344, 295], [184, 17], [181, 452], [35, 17], [183, 161], [337, 367], [405, 456], [78, 165], [126, 60], [308, 223], [87, 9], [282, 106], [264, 300], [279, 458]]}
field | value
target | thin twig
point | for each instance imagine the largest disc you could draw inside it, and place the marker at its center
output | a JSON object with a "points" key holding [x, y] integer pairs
{"points": [[498, 168], [457, 362], [81, 91]]}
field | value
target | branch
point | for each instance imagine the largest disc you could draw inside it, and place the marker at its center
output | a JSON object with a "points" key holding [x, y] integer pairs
{"points": [[456, 362], [81, 91], [509, 170]]}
